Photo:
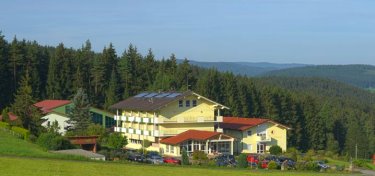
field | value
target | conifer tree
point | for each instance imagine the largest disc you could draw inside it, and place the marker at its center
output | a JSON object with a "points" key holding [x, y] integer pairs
{"points": [[111, 96], [23, 107], [79, 116], [5, 76]]}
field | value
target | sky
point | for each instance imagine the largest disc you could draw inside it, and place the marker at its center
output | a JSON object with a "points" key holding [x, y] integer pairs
{"points": [[277, 31]]}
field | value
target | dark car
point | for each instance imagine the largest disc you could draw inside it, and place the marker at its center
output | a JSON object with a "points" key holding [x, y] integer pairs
{"points": [[154, 158], [171, 160], [322, 165], [290, 162], [226, 160], [136, 157]]}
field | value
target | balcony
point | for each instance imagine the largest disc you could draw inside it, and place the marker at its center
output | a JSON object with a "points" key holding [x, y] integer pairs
{"points": [[123, 130], [146, 133], [146, 120], [138, 119], [115, 117], [138, 132], [123, 118], [131, 118], [264, 138], [157, 133], [131, 131], [117, 129]]}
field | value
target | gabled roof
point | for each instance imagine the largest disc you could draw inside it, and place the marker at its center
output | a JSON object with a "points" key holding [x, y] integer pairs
{"points": [[190, 135], [242, 124], [12, 117], [48, 105], [151, 101]]}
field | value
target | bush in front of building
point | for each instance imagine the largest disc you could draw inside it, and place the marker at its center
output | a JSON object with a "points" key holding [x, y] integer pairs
{"points": [[272, 165], [275, 150], [116, 141], [242, 161], [199, 157], [184, 157], [53, 141]]}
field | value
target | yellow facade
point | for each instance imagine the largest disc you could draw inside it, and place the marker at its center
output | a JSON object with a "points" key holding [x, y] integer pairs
{"points": [[170, 120], [249, 139]]}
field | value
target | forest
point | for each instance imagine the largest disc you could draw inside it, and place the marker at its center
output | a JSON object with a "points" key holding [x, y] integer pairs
{"points": [[323, 114]]}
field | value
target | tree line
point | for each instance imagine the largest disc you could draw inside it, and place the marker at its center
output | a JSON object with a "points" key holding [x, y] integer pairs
{"points": [[321, 115]]}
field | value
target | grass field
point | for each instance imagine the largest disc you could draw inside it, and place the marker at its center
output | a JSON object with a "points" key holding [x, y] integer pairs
{"points": [[20, 158], [17, 166]]}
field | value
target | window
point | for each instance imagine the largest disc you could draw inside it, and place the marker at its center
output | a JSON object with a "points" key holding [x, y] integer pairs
{"points": [[261, 148], [249, 147], [187, 103], [109, 122], [172, 149], [180, 103], [249, 133], [194, 103], [96, 118], [167, 149]]}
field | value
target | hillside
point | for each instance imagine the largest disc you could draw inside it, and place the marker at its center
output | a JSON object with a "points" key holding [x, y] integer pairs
{"points": [[245, 68], [358, 75]]}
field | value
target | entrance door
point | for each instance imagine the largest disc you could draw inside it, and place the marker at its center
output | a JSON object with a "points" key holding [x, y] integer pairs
{"points": [[261, 148]]}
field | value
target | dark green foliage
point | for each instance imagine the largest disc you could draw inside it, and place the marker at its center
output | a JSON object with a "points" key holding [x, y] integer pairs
{"points": [[79, 117], [53, 141], [53, 128], [275, 150], [184, 157], [272, 165], [242, 161], [4, 125], [24, 109], [116, 141], [312, 166], [5, 116]]}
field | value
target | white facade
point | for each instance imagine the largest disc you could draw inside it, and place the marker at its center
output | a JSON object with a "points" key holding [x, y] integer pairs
{"points": [[61, 120]]}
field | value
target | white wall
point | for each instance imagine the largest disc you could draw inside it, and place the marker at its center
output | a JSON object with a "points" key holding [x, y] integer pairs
{"points": [[61, 120]]}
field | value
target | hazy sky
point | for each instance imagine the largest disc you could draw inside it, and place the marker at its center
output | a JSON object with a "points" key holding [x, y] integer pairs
{"points": [[280, 31]]}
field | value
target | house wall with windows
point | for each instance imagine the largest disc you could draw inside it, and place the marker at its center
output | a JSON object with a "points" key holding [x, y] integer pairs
{"points": [[258, 138]]}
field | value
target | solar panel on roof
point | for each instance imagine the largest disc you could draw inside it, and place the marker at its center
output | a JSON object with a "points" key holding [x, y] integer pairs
{"points": [[162, 95], [150, 95], [173, 95], [141, 95]]}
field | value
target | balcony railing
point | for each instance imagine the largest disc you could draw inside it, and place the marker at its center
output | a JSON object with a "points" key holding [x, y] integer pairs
{"points": [[131, 118], [123, 118], [264, 138], [146, 133], [219, 118], [138, 119], [138, 131], [131, 130], [146, 120], [123, 130]]}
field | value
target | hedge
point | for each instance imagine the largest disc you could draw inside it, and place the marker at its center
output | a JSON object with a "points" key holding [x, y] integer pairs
{"points": [[23, 132]]}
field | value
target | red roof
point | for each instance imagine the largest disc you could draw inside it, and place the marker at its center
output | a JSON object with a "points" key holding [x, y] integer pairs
{"points": [[190, 135], [12, 117], [47, 105], [240, 123]]}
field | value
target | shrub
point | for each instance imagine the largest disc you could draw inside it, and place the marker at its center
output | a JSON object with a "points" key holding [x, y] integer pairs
{"points": [[360, 163], [51, 141], [199, 157], [272, 165], [4, 125], [275, 150], [25, 133], [116, 141], [313, 166], [185, 158], [242, 161], [308, 155], [300, 166]]}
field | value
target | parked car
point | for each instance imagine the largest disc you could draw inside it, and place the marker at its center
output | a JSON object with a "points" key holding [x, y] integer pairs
{"points": [[226, 160], [155, 159], [136, 157], [171, 160], [322, 165], [290, 162]]}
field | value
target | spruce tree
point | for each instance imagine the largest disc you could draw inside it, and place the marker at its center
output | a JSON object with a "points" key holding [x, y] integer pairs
{"points": [[79, 116], [23, 107], [111, 96]]}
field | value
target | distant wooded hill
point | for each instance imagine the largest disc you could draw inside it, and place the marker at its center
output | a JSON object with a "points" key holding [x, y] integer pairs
{"points": [[244, 68], [358, 75]]}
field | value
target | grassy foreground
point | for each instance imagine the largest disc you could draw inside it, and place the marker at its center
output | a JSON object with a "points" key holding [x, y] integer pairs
{"points": [[17, 166], [20, 158]]}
